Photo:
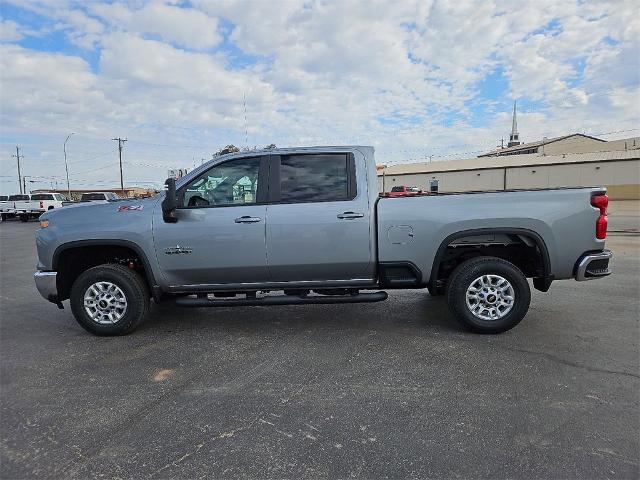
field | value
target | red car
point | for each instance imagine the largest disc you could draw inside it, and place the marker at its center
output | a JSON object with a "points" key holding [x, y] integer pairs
{"points": [[404, 191]]}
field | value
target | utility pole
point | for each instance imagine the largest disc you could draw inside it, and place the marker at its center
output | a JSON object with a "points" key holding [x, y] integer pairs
{"points": [[120, 145], [17, 156], [66, 167]]}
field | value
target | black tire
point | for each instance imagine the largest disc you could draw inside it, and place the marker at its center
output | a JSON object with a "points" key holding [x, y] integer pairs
{"points": [[131, 284], [24, 218], [467, 273]]}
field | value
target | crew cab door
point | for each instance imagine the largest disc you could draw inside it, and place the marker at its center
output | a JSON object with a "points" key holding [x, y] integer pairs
{"points": [[318, 226], [219, 236]]}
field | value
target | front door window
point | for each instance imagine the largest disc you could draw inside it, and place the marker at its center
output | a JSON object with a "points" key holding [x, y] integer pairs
{"points": [[230, 183]]}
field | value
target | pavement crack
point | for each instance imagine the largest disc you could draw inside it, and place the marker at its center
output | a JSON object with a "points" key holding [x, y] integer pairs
{"points": [[569, 363]]}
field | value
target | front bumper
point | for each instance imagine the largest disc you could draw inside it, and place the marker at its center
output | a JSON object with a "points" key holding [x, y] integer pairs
{"points": [[593, 265], [47, 286]]}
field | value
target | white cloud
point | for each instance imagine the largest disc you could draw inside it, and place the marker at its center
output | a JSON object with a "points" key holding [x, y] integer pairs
{"points": [[185, 27], [404, 78], [10, 31]]}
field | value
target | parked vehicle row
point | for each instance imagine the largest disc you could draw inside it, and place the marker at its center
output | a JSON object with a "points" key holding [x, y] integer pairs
{"points": [[26, 206]]}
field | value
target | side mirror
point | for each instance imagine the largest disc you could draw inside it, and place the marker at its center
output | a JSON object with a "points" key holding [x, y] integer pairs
{"points": [[169, 204]]}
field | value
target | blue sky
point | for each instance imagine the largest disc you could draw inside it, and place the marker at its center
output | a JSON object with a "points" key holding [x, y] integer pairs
{"points": [[414, 79]]}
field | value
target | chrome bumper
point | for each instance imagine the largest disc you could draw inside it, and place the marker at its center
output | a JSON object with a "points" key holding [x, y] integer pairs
{"points": [[594, 265], [46, 285]]}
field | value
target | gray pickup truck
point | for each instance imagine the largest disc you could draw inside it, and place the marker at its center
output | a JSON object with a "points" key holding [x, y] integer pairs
{"points": [[307, 226]]}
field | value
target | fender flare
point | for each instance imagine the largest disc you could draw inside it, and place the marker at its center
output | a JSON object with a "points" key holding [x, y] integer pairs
{"points": [[106, 243], [542, 284]]}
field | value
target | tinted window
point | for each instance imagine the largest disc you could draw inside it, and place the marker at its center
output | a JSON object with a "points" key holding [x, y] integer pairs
{"points": [[3, 198], [230, 183], [397, 189], [314, 178], [42, 196], [15, 198], [92, 196]]}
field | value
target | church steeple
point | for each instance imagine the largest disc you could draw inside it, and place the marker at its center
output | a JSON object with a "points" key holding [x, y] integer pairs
{"points": [[514, 138]]}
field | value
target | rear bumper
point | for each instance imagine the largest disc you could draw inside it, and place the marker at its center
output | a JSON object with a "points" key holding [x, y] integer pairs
{"points": [[46, 285], [593, 265]]}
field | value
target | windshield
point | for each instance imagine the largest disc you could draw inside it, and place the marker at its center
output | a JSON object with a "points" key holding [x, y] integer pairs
{"points": [[397, 189]]}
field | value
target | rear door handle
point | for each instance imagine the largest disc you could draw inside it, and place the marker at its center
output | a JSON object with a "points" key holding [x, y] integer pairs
{"points": [[248, 219], [350, 215]]}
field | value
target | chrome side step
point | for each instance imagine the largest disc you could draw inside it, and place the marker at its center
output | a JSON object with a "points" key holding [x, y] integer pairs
{"points": [[281, 300]]}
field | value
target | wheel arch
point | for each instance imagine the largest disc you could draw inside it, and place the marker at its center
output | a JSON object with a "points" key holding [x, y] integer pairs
{"points": [[106, 243], [542, 283]]}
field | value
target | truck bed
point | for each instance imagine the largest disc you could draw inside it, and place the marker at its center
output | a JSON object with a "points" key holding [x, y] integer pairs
{"points": [[417, 227]]}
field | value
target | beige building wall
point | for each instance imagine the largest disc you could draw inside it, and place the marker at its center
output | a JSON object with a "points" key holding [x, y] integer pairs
{"points": [[622, 178], [492, 179]]}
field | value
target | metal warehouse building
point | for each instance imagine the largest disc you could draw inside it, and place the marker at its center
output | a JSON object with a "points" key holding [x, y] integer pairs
{"points": [[569, 161]]}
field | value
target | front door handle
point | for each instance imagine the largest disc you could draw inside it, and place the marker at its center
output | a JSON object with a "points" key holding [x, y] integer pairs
{"points": [[248, 219], [350, 215]]}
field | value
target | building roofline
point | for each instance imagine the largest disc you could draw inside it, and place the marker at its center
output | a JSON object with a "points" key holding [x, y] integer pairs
{"points": [[524, 146], [509, 161]]}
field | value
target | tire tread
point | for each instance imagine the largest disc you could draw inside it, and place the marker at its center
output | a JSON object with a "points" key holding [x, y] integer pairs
{"points": [[456, 290], [140, 298]]}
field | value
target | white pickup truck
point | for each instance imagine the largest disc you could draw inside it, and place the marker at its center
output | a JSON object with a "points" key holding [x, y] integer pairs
{"points": [[26, 206], [6, 208], [42, 202], [20, 206]]}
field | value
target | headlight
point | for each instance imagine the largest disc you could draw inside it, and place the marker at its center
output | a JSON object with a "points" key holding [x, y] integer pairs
{"points": [[44, 223]]}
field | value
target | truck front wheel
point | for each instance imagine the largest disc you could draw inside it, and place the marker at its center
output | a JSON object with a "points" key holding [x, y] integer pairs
{"points": [[109, 300], [488, 294]]}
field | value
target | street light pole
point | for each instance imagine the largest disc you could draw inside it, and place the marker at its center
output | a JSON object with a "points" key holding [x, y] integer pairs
{"points": [[66, 167]]}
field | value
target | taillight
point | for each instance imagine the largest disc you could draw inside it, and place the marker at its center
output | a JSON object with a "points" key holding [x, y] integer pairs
{"points": [[601, 202], [41, 204]]}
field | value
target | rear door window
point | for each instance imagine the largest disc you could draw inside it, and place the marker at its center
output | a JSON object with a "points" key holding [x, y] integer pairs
{"points": [[3, 198], [317, 178], [18, 198]]}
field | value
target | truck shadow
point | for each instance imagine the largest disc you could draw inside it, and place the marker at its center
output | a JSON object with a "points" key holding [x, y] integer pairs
{"points": [[406, 310]]}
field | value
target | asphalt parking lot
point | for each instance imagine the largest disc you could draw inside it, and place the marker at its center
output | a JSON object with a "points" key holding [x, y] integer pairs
{"points": [[387, 390]]}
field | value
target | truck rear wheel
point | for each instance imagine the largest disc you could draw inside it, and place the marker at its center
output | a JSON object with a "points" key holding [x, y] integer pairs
{"points": [[109, 300], [488, 295], [24, 218]]}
